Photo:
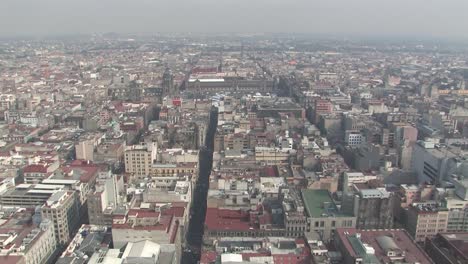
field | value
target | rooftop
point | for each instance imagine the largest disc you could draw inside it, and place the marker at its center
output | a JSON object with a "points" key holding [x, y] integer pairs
{"points": [[318, 203], [459, 241], [379, 242], [224, 219]]}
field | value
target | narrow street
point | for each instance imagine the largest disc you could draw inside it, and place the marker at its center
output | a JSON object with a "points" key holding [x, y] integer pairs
{"points": [[194, 236]]}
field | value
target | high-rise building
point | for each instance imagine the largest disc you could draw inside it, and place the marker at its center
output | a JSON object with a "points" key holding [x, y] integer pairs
{"points": [[425, 220], [84, 150], [138, 159], [168, 83], [372, 207], [458, 214], [105, 199], [322, 107], [62, 208], [432, 162]]}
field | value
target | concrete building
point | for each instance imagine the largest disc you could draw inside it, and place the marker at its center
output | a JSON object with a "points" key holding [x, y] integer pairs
{"points": [[322, 107], [86, 146], [62, 208], [351, 178], [84, 150], [295, 220], [174, 169], [331, 126], [105, 199], [432, 162], [323, 217], [167, 84], [407, 195], [354, 138], [404, 132], [372, 207], [458, 214], [425, 220], [27, 195], [139, 158], [272, 156], [364, 157]]}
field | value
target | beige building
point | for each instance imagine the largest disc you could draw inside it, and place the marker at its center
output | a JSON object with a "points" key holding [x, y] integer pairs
{"points": [[426, 220], [63, 210], [86, 145], [272, 156], [139, 158], [167, 170], [84, 150], [24, 243]]}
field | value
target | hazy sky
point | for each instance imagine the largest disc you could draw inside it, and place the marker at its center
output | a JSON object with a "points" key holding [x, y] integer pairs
{"points": [[438, 18]]}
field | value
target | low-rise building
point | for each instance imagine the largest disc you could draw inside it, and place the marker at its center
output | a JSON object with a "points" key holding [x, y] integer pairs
{"points": [[160, 224]]}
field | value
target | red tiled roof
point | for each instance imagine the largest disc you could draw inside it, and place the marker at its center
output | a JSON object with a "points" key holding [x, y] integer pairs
{"points": [[224, 219], [175, 211], [35, 169], [247, 256], [87, 170], [270, 171]]}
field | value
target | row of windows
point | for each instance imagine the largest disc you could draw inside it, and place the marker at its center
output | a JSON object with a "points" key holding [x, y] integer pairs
{"points": [[344, 223]]}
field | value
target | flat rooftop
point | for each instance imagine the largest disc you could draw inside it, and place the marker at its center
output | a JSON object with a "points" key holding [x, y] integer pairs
{"points": [[396, 239], [318, 203]]}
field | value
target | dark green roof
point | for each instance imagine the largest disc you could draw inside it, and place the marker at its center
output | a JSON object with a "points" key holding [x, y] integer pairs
{"points": [[317, 202]]}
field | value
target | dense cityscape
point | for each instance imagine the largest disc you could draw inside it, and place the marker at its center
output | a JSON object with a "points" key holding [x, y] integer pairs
{"points": [[259, 148]]}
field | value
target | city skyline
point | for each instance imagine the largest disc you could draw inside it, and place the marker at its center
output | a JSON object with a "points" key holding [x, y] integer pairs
{"points": [[360, 18]]}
